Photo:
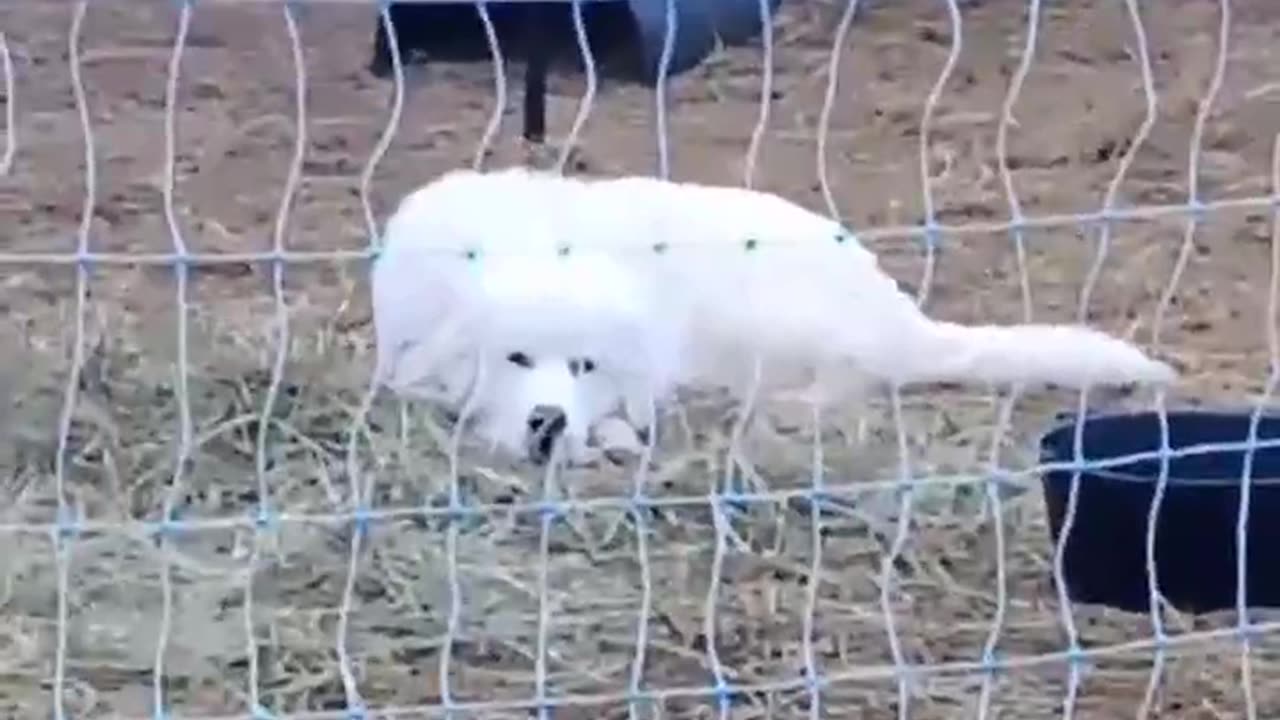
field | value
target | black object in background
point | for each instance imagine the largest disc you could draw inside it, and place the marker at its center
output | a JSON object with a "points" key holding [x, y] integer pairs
{"points": [[1195, 545], [626, 38]]}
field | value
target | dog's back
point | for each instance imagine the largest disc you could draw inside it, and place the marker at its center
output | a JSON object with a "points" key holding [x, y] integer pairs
{"points": [[751, 275]]}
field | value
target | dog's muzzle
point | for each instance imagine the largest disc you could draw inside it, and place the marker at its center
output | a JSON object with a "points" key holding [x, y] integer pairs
{"points": [[546, 424]]}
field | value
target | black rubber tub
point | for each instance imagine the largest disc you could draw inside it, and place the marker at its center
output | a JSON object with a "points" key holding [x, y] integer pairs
{"points": [[1195, 545]]}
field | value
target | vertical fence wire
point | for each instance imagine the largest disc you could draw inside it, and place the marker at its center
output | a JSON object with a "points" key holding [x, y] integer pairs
{"points": [[1190, 229], [264, 521], [499, 85], [670, 30], [993, 500], [167, 528], [1243, 623], [10, 109], [63, 530]]}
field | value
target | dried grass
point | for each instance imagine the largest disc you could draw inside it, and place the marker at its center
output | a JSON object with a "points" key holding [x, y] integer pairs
{"points": [[122, 452]]}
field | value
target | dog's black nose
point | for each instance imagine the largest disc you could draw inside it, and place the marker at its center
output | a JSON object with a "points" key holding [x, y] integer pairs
{"points": [[546, 423]]}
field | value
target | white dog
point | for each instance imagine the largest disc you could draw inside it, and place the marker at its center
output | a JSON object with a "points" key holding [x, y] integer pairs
{"points": [[552, 303]]}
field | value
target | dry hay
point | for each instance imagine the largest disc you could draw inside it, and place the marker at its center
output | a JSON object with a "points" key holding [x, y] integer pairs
{"points": [[121, 457]]}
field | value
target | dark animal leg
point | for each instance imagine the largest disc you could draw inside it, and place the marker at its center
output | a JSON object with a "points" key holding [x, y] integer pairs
{"points": [[535, 74], [381, 65]]}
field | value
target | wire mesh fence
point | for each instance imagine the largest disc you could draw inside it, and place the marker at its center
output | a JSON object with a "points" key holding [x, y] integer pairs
{"points": [[230, 521]]}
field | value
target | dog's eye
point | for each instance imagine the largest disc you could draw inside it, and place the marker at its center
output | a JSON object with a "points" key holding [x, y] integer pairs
{"points": [[581, 366], [519, 359]]}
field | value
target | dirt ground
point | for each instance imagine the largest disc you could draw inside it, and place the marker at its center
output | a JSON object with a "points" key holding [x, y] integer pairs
{"points": [[218, 617]]}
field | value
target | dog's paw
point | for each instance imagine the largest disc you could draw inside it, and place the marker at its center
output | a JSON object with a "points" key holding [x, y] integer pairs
{"points": [[585, 457], [618, 440]]}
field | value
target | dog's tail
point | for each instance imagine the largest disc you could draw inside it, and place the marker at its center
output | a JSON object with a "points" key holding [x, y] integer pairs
{"points": [[1067, 355]]}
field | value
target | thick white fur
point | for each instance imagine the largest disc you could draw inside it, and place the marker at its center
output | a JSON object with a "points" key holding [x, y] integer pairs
{"points": [[807, 304]]}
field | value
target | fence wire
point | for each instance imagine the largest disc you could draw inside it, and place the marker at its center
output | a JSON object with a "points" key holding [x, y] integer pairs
{"points": [[69, 526]]}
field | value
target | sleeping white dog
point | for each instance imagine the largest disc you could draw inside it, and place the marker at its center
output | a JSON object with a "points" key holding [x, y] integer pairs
{"points": [[548, 303]]}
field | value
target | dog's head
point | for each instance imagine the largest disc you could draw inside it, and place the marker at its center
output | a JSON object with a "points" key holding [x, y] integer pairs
{"points": [[532, 400], [566, 343], [523, 397], [533, 342]]}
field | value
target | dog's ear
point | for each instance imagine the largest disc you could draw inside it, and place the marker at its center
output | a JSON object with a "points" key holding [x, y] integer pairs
{"points": [[423, 361]]}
